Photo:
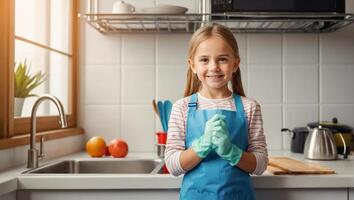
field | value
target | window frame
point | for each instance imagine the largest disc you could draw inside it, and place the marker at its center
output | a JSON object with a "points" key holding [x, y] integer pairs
{"points": [[15, 131]]}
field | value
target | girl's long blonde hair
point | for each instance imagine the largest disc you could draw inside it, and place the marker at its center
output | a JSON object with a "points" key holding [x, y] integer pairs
{"points": [[193, 83]]}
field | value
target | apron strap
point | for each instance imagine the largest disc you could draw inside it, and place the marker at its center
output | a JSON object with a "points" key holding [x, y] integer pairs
{"points": [[193, 102], [238, 103], [239, 107]]}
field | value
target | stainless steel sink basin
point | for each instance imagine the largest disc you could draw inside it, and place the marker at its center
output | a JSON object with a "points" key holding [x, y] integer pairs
{"points": [[101, 166]]}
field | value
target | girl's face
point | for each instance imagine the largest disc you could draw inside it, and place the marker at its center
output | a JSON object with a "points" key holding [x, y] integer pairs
{"points": [[214, 62]]}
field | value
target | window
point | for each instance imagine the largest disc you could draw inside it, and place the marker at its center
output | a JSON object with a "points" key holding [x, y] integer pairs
{"points": [[43, 35]]}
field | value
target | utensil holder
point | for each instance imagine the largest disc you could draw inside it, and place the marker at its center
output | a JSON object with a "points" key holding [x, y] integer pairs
{"points": [[161, 150], [161, 137]]}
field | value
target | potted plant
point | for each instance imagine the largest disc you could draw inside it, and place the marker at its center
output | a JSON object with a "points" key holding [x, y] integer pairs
{"points": [[24, 84]]}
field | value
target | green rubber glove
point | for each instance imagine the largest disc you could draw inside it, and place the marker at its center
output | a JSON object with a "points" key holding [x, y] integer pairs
{"points": [[203, 145], [224, 148]]}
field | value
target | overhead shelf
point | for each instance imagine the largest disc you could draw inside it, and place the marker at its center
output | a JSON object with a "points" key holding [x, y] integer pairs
{"points": [[237, 22]]}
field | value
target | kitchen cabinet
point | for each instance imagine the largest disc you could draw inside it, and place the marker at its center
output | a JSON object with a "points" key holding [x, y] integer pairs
{"points": [[173, 194], [351, 194], [8, 196], [302, 194], [98, 194]]}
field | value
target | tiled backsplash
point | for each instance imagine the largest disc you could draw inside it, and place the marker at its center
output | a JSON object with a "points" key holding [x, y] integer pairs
{"points": [[297, 78]]}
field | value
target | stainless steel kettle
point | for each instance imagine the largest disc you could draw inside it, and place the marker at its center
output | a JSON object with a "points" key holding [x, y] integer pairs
{"points": [[320, 145]]}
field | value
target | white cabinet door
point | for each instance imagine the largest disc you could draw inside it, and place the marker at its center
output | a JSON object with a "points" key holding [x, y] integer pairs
{"points": [[99, 195], [261, 194], [8, 196], [302, 194], [351, 194]]}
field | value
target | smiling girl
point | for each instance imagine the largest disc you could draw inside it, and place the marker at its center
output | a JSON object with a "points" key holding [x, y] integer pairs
{"points": [[215, 134]]}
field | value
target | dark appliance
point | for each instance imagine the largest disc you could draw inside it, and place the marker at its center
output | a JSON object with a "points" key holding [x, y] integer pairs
{"points": [[291, 6], [298, 138]]}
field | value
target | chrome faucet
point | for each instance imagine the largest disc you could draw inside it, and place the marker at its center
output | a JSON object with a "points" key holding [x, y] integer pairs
{"points": [[33, 155]]}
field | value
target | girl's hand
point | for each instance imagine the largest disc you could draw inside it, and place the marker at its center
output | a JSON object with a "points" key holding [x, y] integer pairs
{"points": [[203, 145], [224, 147]]}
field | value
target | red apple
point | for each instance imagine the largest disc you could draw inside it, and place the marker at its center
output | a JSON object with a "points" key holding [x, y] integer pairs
{"points": [[118, 148]]}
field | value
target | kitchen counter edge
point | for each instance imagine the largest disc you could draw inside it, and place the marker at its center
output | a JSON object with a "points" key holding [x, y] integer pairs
{"points": [[13, 179]]}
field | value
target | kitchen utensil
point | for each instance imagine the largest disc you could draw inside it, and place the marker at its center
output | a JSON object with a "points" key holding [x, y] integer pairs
{"points": [[320, 144], [155, 108], [162, 115], [298, 138], [164, 9], [167, 109], [121, 7], [286, 165], [337, 129]]}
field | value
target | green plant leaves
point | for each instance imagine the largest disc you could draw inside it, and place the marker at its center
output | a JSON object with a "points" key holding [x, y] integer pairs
{"points": [[26, 82]]}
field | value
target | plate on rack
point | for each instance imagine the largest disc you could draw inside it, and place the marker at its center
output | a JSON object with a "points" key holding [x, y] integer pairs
{"points": [[163, 9]]}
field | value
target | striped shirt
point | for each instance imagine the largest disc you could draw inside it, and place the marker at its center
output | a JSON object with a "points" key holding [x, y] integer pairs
{"points": [[177, 130]]}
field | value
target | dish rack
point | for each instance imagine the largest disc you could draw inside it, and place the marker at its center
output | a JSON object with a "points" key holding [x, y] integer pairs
{"points": [[237, 22]]}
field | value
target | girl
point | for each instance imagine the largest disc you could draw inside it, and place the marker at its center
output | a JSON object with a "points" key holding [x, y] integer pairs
{"points": [[215, 134]]}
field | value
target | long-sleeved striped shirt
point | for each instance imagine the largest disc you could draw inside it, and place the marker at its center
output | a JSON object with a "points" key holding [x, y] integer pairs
{"points": [[177, 130]]}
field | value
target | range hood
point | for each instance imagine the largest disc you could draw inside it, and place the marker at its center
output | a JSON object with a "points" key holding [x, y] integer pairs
{"points": [[259, 22]]}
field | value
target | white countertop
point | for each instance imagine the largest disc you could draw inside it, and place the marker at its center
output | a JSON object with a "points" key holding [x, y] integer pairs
{"points": [[13, 179]]}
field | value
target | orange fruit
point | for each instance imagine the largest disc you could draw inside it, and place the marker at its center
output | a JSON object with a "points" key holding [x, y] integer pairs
{"points": [[96, 146]]}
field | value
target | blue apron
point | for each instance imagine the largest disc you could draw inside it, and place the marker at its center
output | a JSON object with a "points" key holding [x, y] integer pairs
{"points": [[214, 178]]}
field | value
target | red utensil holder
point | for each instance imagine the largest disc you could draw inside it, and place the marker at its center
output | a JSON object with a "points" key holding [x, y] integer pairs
{"points": [[161, 137]]}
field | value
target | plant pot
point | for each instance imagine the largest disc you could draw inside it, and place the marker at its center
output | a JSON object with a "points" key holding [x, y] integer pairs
{"points": [[18, 104]]}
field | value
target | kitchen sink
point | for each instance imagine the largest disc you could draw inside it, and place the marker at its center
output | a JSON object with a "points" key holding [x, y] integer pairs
{"points": [[101, 166]]}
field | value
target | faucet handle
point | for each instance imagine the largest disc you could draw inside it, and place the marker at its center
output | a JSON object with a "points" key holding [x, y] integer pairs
{"points": [[41, 148]]}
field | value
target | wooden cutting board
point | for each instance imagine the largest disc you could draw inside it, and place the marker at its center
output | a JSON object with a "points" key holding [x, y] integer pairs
{"points": [[285, 165]]}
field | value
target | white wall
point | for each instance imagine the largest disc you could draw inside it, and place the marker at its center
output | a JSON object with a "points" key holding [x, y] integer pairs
{"points": [[297, 78], [53, 148]]}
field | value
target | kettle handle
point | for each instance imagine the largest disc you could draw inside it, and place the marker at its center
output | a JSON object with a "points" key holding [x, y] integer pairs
{"points": [[285, 129], [344, 146], [309, 128]]}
